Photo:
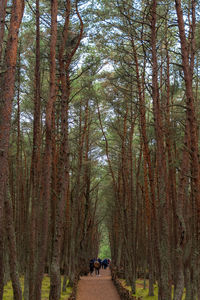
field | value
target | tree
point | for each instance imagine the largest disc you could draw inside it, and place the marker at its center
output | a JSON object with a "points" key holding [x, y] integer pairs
{"points": [[7, 93]]}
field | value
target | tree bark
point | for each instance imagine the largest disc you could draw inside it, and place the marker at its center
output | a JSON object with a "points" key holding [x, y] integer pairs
{"points": [[63, 169], [191, 115], [188, 66], [7, 93], [35, 165], [150, 204], [163, 197], [47, 160], [2, 234], [63, 180], [3, 4], [17, 292]]}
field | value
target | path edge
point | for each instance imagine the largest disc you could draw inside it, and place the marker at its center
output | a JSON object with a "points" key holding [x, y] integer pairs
{"points": [[124, 293], [74, 288]]}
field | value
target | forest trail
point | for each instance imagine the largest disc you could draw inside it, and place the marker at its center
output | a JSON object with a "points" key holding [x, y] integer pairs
{"points": [[97, 287]]}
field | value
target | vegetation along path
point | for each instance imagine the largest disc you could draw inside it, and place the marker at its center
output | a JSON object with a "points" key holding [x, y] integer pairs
{"points": [[97, 287]]}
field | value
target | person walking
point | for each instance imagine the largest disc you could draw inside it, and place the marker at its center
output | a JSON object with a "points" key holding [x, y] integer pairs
{"points": [[105, 263], [91, 265], [97, 266]]}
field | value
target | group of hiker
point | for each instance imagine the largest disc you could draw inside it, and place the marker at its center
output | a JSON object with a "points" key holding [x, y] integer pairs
{"points": [[96, 264]]}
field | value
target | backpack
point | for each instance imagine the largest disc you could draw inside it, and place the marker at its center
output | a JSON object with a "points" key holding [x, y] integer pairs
{"points": [[97, 264]]}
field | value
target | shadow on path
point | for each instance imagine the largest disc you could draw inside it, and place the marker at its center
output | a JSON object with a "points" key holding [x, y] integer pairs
{"points": [[97, 287]]}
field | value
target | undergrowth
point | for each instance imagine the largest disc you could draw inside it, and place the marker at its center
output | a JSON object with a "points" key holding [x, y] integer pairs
{"points": [[8, 291], [144, 293]]}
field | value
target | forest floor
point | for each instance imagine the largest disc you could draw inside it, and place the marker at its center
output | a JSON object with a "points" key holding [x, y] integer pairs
{"points": [[97, 287]]}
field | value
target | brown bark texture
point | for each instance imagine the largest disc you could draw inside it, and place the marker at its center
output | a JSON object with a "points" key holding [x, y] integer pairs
{"points": [[35, 166], [191, 115], [3, 5], [47, 160], [62, 188], [6, 97], [163, 197]]}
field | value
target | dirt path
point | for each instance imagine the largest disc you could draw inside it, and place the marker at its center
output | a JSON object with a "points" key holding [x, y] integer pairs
{"points": [[97, 287]]}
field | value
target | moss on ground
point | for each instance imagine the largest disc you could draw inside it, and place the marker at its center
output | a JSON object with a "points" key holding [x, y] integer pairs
{"points": [[144, 293], [8, 291], [141, 292]]}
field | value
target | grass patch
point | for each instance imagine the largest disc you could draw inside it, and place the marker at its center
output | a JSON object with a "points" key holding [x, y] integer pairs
{"points": [[8, 291], [144, 293]]}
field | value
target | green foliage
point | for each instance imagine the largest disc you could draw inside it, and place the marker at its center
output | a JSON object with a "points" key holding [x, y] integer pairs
{"points": [[8, 291], [104, 251]]}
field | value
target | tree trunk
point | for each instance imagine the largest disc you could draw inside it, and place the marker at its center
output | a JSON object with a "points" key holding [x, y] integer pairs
{"points": [[63, 178], [63, 169], [163, 197], [2, 242], [191, 115], [12, 250], [188, 66], [150, 204], [47, 160], [3, 4], [35, 166], [6, 97]]}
